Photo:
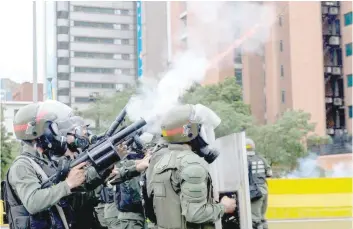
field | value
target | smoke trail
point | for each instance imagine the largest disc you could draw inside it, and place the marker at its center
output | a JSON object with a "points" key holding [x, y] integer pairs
{"points": [[214, 26]]}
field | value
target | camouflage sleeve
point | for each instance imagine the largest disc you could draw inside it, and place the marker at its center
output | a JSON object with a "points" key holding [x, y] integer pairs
{"points": [[94, 179], [126, 171], [194, 193], [24, 180]]}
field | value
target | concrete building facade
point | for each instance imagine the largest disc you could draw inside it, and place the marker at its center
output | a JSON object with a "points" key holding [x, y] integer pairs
{"points": [[10, 109], [306, 63], [95, 49], [24, 92]]}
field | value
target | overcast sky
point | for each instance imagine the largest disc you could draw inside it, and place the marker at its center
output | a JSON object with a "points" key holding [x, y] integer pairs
{"points": [[16, 40]]}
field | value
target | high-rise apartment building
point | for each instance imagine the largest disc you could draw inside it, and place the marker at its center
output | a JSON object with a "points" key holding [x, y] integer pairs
{"points": [[94, 48], [306, 63]]}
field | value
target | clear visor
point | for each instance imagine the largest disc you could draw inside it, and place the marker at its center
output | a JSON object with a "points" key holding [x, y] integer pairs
{"points": [[209, 121]]}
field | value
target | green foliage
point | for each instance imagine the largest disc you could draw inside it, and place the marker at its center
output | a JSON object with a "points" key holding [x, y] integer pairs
{"points": [[5, 147], [281, 142], [316, 140], [105, 109], [225, 99]]}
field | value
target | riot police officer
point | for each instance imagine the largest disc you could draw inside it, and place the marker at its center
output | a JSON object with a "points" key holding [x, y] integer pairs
{"points": [[27, 204], [260, 170], [180, 183]]}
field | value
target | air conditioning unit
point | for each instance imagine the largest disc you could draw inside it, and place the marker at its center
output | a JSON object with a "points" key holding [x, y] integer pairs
{"points": [[338, 102], [328, 100], [336, 71], [333, 11], [334, 40], [328, 70], [330, 131]]}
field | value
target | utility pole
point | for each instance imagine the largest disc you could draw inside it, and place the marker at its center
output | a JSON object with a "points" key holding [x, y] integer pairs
{"points": [[35, 83]]}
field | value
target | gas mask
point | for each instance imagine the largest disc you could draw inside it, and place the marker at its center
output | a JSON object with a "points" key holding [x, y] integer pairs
{"points": [[83, 138], [201, 148], [52, 140], [208, 122]]}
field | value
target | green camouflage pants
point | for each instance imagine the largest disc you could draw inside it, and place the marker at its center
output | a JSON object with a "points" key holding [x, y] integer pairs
{"points": [[258, 212], [105, 219]]}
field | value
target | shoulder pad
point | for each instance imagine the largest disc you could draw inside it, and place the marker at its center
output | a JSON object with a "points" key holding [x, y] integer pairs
{"points": [[189, 158], [194, 173]]}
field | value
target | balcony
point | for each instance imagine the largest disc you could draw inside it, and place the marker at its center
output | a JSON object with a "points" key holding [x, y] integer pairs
{"points": [[328, 100], [336, 71], [330, 131], [332, 40], [64, 98], [63, 38], [338, 101], [63, 68], [63, 22], [63, 84], [331, 11], [63, 53]]}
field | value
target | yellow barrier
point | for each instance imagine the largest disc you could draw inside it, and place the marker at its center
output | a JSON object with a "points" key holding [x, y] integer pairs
{"points": [[310, 198], [2, 213]]}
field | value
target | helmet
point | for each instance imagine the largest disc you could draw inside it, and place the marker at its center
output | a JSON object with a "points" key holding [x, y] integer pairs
{"points": [[250, 145], [38, 121], [193, 124], [76, 127]]}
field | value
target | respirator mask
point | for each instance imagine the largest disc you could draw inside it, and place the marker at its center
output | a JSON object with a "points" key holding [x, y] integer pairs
{"points": [[202, 144], [52, 141], [83, 138]]}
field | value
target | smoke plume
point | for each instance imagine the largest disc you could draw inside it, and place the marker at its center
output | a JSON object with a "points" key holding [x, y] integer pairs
{"points": [[213, 27], [310, 167]]}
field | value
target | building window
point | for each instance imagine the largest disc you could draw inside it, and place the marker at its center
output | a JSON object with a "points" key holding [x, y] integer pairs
{"points": [[348, 19], [95, 55], [63, 45], [280, 21], [62, 30], [125, 41], [125, 56], [94, 85], [349, 49], [283, 96], [99, 10], [94, 70], [281, 45], [63, 61], [124, 26], [350, 112], [63, 76], [239, 76], [97, 40], [282, 71], [62, 14], [82, 99], [64, 91], [94, 24], [124, 12], [349, 80]]}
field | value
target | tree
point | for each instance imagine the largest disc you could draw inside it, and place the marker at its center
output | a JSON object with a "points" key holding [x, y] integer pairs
{"points": [[225, 98], [281, 143], [105, 109], [5, 147]]}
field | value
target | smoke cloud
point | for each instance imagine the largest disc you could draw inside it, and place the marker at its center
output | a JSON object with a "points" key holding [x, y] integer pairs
{"points": [[213, 27], [310, 167]]}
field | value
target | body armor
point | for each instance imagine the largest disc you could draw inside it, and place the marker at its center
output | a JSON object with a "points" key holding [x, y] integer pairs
{"points": [[19, 217], [106, 195], [128, 195], [258, 168], [166, 193]]}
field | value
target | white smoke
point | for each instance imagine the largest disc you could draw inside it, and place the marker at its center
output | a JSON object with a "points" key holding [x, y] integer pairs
{"points": [[309, 167], [213, 27]]}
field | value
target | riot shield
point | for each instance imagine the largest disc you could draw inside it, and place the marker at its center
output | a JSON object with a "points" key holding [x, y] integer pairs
{"points": [[229, 174]]}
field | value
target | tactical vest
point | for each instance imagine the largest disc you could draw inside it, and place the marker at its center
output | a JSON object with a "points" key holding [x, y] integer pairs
{"points": [[128, 195], [106, 195], [258, 169], [19, 217], [166, 196]]}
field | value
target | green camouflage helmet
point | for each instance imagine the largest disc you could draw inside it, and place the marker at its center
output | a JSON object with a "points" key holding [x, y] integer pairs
{"points": [[29, 122], [250, 144], [177, 126]]}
